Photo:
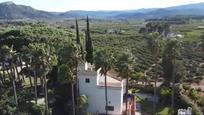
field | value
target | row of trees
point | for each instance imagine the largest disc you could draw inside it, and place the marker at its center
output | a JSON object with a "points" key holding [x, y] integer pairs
{"points": [[160, 27], [39, 58]]}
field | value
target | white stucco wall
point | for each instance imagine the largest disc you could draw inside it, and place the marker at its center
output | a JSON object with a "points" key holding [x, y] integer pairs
{"points": [[96, 95], [124, 86]]}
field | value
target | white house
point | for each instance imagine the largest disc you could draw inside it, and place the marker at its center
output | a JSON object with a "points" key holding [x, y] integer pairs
{"points": [[174, 35], [91, 83]]}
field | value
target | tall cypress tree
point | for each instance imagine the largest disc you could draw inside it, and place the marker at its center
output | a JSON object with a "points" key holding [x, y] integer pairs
{"points": [[77, 33], [89, 46], [78, 41]]}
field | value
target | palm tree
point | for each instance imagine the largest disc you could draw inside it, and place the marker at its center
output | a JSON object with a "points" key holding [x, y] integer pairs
{"points": [[124, 65], [153, 42], [68, 55], [26, 57], [2, 60], [35, 84], [46, 58], [104, 62], [15, 61], [171, 51], [34, 63], [83, 103], [20, 56], [32, 57], [173, 57], [1, 78], [9, 55], [136, 76]]}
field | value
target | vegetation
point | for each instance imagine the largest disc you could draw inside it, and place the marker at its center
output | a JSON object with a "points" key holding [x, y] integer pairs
{"points": [[124, 66], [104, 62], [89, 46], [40, 55], [39, 61]]}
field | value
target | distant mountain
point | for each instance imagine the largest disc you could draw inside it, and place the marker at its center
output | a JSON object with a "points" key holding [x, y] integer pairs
{"points": [[93, 14], [189, 6], [191, 10], [103, 14], [9, 10], [80, 13]]}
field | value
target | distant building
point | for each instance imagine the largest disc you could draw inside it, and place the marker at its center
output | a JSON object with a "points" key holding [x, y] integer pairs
{"points": [[200, 27], [91, 84], [174, 35], [115, 31]]}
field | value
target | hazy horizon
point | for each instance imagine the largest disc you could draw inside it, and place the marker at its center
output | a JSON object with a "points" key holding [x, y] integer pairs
{"points": [[102, 5]]}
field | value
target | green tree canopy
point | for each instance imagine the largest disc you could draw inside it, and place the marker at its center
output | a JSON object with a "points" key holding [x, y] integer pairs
{"points": [[32, 33]]}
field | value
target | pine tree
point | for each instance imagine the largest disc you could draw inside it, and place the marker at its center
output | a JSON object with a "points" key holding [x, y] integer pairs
{"points": [[89, 46]]}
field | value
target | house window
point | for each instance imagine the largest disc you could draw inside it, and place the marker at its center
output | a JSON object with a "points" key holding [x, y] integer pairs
{"points": [[87, 80], [110, 108]]}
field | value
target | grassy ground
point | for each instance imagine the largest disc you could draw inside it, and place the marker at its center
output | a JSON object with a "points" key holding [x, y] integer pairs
{"points": [[27, 82], [147, 107], [164, 111], [190, 31]]}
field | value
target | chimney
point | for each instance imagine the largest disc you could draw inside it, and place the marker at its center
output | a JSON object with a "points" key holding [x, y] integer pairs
{"points": [[88, 66]]}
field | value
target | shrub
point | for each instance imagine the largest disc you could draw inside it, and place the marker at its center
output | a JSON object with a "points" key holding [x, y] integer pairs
{"points": [[186, 87], [165, 111], [199, 89], [200, 102], [193, 94], [133, 90], [37, 109], [148, 89], [165, 93]]}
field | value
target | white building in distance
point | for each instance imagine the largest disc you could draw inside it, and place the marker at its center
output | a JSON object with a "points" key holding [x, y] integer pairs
{"points": [[91, 83]]}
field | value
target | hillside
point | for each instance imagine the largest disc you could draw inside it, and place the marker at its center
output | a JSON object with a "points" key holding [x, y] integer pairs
{"points": [[10, 10], [185, 10]]}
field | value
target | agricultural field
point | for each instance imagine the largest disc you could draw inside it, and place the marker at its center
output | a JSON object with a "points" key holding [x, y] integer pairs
{"points": [[88, 57], [117, 36]]}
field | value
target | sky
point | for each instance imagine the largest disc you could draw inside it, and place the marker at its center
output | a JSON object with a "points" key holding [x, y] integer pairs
{"points": [[94, 5]]}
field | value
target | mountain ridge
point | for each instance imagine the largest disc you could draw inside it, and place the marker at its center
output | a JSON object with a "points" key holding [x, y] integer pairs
{"points": [[9, 10]]}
